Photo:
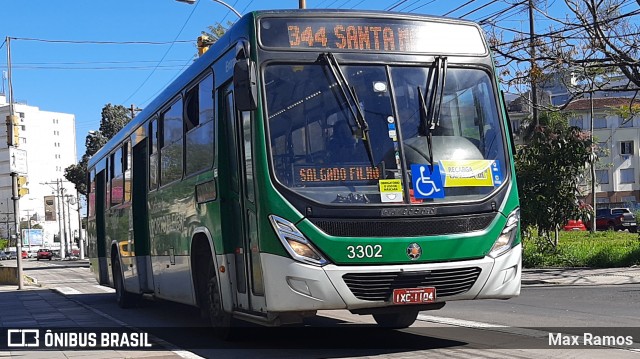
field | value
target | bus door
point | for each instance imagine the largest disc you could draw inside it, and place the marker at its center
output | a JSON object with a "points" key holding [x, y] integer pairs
{"points": [[101, 234], [141, 245], [239, 227]]}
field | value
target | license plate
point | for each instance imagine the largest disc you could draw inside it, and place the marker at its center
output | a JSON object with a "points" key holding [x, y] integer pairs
{"points": [[414, 295]]}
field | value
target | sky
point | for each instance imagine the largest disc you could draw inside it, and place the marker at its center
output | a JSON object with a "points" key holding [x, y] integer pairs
{"points": [[75, 56]]}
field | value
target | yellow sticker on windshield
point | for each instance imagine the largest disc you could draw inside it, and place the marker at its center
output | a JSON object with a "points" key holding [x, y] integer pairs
{"points": [[390, 190], [467, 173]]}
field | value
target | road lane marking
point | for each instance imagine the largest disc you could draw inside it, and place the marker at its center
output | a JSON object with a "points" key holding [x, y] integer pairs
{"points": [[105, 289], [67, 290]]}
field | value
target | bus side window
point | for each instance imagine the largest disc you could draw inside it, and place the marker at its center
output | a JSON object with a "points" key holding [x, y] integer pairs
{"points": [[91, 198], [116, 178], [171, 146], [109, 180], [126, 170], [153, 154], [198, 125]]}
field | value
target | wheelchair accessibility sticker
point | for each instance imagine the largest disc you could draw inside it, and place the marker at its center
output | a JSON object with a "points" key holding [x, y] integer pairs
{"points": [[425, 183]]}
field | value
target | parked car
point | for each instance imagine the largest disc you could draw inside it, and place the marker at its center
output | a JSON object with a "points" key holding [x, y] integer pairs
{"points": [[44, 254], [12, 255], [33, 253], [3, 256], [25, 255], [615, 219], [575, 225]]}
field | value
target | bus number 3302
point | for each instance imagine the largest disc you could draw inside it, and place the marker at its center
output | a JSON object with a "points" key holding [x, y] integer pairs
{"points": [[368, 251]]}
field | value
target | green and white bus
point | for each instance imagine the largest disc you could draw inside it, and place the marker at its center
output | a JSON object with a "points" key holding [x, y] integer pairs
{"points": [[315, 160]]}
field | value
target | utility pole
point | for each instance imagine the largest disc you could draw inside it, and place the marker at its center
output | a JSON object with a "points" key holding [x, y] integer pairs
{"points": [[60, 220], [302, 4], [80, 235], [12, 120], [70, 247], [533, 73], [133, 110]]}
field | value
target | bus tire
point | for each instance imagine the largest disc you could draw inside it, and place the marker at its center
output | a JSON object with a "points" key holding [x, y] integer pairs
{"points": [[397, 320], [123, 298], [221, 321]]}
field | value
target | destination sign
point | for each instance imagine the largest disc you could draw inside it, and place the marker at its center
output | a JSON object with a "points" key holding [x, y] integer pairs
{"points": [[334, 175], [367, 34]]}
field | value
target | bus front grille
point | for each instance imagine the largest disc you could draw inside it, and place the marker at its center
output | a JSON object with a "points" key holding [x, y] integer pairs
{"points": [[404, 227], [380, 286]]}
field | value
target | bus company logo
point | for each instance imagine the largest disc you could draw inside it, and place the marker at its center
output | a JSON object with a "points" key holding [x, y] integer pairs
{"points": [[23, 338], [414, 251]]}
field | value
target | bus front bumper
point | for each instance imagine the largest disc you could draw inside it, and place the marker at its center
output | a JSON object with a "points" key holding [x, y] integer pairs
{"points": [[294, 286]]}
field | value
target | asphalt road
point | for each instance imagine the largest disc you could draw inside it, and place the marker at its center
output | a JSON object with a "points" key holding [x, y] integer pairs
{"points": [[518, 327]]}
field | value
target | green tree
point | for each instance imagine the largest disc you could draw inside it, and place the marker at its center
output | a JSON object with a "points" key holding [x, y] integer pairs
{"points": [[114, 118], [216, 31], [548, 170]]}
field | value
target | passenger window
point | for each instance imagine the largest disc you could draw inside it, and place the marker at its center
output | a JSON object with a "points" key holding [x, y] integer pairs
{"points": [[171, 146], [153, 155], [126, 166], [199, 127], [117, 178]]}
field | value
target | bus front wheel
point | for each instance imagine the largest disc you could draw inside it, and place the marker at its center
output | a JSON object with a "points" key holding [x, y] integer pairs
{"points": [[397, 320], [123, 298]]}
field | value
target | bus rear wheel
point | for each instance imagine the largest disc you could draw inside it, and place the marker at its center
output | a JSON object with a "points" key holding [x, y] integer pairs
{"points": [[221, 321], [397, 320]]}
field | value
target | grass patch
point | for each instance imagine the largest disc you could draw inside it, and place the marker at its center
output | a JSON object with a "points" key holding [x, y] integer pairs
{"points": [[583, 249]]}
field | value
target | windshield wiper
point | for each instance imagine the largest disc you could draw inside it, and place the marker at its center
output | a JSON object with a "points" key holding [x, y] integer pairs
{"points": [[349, 94], [430, 114]]}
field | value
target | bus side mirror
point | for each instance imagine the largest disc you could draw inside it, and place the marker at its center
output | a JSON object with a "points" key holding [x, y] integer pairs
{"points": [[245, 84]]}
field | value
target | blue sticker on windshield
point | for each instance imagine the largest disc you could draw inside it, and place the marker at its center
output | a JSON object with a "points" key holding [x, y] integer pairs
{"points": [[425, 183], [496, 173]]}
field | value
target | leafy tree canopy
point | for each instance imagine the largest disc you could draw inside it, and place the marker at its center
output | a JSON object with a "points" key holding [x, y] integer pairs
{"points": [[114, 118], [549, 169]]}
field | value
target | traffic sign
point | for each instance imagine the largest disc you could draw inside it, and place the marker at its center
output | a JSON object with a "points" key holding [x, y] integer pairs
{"points": [[17, 160]]}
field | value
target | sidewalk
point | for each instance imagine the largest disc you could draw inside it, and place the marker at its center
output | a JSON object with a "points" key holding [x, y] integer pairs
{"points": [[38, 307], [581, 276]]}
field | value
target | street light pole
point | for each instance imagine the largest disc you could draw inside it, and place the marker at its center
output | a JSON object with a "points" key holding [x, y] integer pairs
{"points": [[191, 2], [11, 121]]}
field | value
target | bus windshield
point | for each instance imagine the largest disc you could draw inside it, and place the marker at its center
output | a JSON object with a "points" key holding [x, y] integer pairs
{"points": [[318, 149]]}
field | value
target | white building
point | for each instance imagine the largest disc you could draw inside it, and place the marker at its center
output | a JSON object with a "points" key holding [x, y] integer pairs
{"points": [[49, 139], [618, 167]]}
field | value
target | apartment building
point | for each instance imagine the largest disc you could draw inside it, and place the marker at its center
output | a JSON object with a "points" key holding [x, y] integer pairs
{"points": [[49, 140], [618, 139]]}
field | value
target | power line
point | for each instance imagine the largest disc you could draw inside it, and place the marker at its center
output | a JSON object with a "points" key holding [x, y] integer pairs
{"points": [[103, 42], [407, 6], [499, 13], [53, 67], [421, 6], [572, 27], [359, 2], [245, 8], [481, 7], [163, 56], [398, 3], [459, 7]]}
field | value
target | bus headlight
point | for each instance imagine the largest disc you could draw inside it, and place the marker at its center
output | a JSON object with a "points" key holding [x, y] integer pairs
{"points": [[508, 235], [295, 242]]}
